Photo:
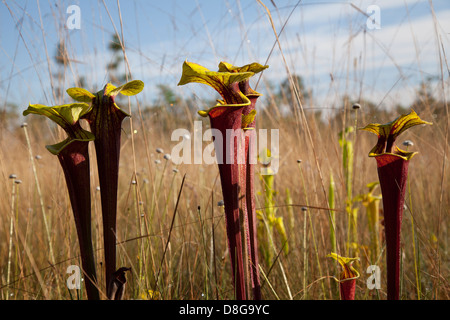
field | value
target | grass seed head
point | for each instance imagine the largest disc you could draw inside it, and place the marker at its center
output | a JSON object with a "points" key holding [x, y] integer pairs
{"points": [[408, 143]]}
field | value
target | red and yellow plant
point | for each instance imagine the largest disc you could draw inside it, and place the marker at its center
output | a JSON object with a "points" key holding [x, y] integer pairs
{"points": [[74, 159], [105, 120], [348, 276], [392, 165], [234, 118]]}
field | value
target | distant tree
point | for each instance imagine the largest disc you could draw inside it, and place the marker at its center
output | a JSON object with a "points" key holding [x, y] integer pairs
{"points": [[62, 60], [287, 91], [167, 95], [61, 55], [115, 47]]}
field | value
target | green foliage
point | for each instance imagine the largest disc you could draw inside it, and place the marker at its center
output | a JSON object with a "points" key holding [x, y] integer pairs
{"points": [[372, 204], [268, 218], [347, 164]]}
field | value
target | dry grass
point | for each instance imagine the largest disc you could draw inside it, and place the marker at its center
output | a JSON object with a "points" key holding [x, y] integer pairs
{"points": [[196, 263], [196, 266]]}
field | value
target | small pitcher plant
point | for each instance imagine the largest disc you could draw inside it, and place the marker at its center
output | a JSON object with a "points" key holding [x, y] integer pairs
{"points": [[392, 165], [348, 276], [73, 156], [233, 118]]}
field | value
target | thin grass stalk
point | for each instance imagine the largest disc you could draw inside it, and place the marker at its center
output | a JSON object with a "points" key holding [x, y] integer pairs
{"points": [[332, 218], [311, 228], [18, 264], [11, 230], [34, 266], [202, 232], [170, 231], [416, 262], [268, 282], [41, 201], [408, 143], [305, 261], [140, 241]]}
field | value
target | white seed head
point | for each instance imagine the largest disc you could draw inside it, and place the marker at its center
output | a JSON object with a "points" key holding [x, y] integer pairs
{"points": [[38, 157], [175, 170], [98, 188], [356, 106], [167, 156], [159, 150], [299, 161], [24, 125], [17, 181], [408, 143], [12, 176], [157, 161], [304, 208], [220, 203], [133, 182]]}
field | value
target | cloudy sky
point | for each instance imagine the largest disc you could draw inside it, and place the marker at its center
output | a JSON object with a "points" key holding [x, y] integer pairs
{"points": [[331, 44]]}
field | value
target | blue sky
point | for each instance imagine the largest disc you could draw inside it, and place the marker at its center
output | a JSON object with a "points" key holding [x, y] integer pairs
{"points": [[321, 41]]}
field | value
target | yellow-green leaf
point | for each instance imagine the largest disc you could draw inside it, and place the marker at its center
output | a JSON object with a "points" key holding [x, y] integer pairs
{"points": [[80, 94], [220, 81], [128, 89], [388, 133], [349, 272], [252, 67], [193, 72], [58, 147], [248, 118], [64, 115]]}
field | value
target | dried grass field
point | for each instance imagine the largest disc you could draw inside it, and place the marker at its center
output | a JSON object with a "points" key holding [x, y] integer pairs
{"points": [[172, 234]]}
